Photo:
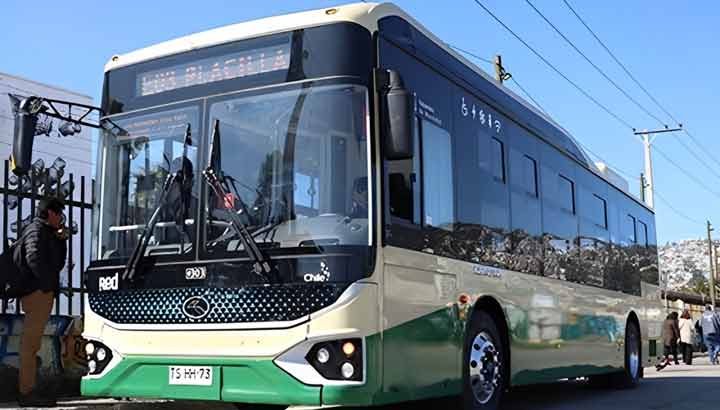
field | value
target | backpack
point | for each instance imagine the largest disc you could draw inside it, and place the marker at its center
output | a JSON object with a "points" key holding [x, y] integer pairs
{"points": [[14, 281]]}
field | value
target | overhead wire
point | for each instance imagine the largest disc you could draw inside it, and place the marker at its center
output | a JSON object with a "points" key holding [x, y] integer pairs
{"points": [[557, 71], [595, 66], [485, 60], [640, 85]]}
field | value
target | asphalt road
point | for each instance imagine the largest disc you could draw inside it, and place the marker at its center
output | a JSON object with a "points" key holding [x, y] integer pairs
{"points": [[676, 387]]}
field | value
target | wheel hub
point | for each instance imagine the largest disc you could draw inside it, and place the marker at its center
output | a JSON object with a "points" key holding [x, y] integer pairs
{"points": [[485, 368]]}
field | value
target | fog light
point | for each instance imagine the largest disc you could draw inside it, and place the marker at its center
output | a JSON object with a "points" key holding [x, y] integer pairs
{"points": [[92, 366], [89, 348], [323, 355], [348, 348], [101, 354], [347, 370]]}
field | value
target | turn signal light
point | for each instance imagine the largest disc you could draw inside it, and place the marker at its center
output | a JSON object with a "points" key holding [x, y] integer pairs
{"points": [[348, 348]]}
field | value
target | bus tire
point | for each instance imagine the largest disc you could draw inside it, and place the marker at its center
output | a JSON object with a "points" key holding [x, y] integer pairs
{"points": [[484, 364], [630, 376]]}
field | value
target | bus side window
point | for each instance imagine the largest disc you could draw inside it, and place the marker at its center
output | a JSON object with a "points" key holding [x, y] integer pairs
{"points": [[437, 176], [404, 186]]}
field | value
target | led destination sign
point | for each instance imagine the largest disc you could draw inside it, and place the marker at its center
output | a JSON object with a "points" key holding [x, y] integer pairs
{"points": [[209, 70]]}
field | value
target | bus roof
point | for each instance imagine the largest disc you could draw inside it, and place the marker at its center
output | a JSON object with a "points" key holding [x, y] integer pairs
{"points": [[365, 14]]}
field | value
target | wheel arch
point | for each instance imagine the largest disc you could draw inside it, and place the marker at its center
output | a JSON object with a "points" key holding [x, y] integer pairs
{"points": [[491, 306]]}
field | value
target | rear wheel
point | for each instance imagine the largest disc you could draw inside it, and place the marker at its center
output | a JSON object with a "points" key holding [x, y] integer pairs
{"points": [[630, 376], [484, 364]]}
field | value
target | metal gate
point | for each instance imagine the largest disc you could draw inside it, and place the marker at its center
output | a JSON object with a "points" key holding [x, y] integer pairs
{"points": [[19, 198]]}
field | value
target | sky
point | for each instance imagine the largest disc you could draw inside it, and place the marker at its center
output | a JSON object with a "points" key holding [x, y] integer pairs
{"points": [[669, 46]]}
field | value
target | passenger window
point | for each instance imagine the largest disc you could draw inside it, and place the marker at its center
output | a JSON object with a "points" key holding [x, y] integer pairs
{"points": [[642, 234], [437, 176], [566, 190], [598, 211], [630, 236], [530, 176], [498, 160], [404, 186]]}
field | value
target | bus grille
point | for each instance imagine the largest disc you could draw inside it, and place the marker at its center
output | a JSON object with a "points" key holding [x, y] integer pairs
{"points": [[249, 304]]}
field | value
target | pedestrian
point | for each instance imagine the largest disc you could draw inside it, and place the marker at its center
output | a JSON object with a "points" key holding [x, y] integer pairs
{"points": [[711, 333], [670, 335], [685, 325], [699, 335], [41, 256]]}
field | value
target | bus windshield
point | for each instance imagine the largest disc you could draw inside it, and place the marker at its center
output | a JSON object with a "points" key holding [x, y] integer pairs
{"points": [[296, 164], [294, 161], [137, 160]]}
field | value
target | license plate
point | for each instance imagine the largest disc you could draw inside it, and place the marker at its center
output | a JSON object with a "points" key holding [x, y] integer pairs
{"points": [[191, 375]]}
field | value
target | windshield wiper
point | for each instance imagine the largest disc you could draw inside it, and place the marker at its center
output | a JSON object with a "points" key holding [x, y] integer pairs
{"points": [[262, 262], [172, 179]]}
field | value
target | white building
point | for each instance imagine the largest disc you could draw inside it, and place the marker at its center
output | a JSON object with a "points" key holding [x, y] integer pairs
{"points": [[75, 150]]}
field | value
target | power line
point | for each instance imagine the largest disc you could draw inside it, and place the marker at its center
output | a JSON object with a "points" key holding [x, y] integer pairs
{"points": [[685, 145], [527, 94], [471, 54], [632, 77], [687, 173], [560, 73], [637, 82], [598, 69], [485, 60]]}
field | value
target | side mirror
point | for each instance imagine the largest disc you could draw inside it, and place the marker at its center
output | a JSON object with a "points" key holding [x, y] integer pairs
{"points": [[23, 136], [396, 116]]}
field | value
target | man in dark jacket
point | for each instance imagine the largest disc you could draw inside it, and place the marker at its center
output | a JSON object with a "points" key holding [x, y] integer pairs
{"points": [[41, 256]]}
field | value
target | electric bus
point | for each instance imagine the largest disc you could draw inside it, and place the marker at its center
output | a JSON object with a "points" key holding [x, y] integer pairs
{"points": [[333, 207]]}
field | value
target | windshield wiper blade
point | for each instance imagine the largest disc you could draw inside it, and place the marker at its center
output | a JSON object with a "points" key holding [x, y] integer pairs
{"points": [[172, 179], [262, 262]]}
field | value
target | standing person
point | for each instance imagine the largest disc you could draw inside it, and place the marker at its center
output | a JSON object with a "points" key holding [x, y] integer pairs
{"points": [[670, 334], [686, 337], [711, 333], [40, 256]]}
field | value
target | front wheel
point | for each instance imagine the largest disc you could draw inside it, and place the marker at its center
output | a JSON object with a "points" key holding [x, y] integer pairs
{"points": [[484, 364]]}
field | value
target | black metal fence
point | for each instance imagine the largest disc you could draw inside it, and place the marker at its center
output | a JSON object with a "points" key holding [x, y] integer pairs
{"points": [[19, 198]]}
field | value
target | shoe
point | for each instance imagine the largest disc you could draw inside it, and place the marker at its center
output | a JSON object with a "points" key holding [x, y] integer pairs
{"points": [[33, 399]]}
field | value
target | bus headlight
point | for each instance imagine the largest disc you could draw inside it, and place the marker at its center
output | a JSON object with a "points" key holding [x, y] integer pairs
{"points": [[347, 370], [98, 356], [338, 359], [323, 355]]}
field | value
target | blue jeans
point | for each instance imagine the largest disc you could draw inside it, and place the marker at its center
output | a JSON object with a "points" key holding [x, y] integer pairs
{"points": [[712, 341]]}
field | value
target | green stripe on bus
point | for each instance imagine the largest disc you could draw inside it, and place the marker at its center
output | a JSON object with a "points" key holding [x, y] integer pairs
{"points": [[243, 380]]}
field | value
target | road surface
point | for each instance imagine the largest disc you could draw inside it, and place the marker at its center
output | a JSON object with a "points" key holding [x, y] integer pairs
{"points": [[676, 388]]}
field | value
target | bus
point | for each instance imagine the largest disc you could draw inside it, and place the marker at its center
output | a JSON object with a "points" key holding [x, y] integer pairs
{"points": [[333, 207]]}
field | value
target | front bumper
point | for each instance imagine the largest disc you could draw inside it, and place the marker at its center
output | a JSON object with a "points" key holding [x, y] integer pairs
{"points": [[234, 380], [238, 380]]}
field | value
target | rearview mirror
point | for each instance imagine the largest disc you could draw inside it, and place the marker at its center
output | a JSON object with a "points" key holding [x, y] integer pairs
{"points": [[396, 116], [23, 136]]}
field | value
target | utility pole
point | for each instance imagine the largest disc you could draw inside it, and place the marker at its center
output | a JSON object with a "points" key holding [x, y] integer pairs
{"points": [[712, 265], [642, 186], [500, 73], [648, 190]]}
